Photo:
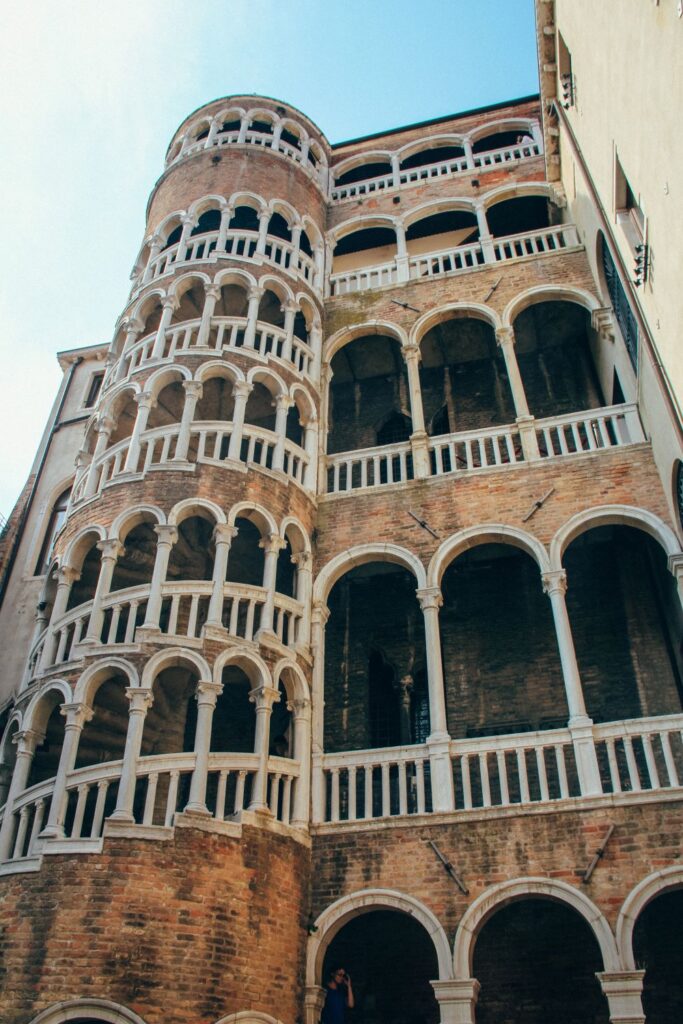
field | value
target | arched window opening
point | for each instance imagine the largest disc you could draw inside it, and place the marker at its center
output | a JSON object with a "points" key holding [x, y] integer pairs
{"points": [[245, 218], [502, 671], [300, 327], [9, 755], [285, 579], [290, 138], [104, 736], [619, 589], [463, 378], [54, 524], [396, 428], [124, 414], [369, 383], [279, 228], [193, 553], [262, 127], [374, 649], [83, 589], [135, 564], [170, 725], [520, 215], [446, 230], [391, 961], [172, 238], [364, 172], [233, 301], [657, 947], [234, 718], [202, 135], [217, 403], [364, 248], [168, 407], [190, 307], [260, 409], [246, 558], [433, 155], [281, 738], [305, 245], [294, 430], [541, 956], [49, 750], [500, 140], [210, 220], [231, 126], [151, 319], [553, 350], [270, 309]]}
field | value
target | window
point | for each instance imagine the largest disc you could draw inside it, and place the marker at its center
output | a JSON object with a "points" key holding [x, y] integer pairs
{"points": [[566, 75], [628, 212], [55, 523], [679, 492], [620, 304], [94, 389]]}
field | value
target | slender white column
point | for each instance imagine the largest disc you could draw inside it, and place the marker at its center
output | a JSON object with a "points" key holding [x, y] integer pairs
{"points": [[272, 546], [301, 710], [402, 267], [252, 317], [226, 217], [244, 125], [457, 1000], [290, 311], [168, 307], [26, 742], [525, 422], [133, 329], [105, 426], [304, 585], [240, 391], [319, 617], [213, 132], [111, 549], [167, 536], [76, 716], [154, 250], [222, 535], [207, 694], [314, 1000], [469, 155], [283, 404], [263, 221], [193, 392], [485, 236], [311, 449], [315, 342], [418, 439], [263, 697], [305, 146], [396, 169], [277, 132], [145, 402], [188, 225], [319, 261], [66, 577], [296, 246], [140, 700], [212, 294], [623, 990], [438, 740]]}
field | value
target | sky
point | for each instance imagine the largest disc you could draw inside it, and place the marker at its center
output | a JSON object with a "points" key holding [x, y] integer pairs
{"points": [[91, 92]]}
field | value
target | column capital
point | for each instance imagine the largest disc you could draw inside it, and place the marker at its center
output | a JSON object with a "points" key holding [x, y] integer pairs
{"points": [[208, 692], [429, 597], [111, 548], [105, 425], [167, 534], [223, 533], [187, 221], [554, 581], [272, 543], [133, 324], [264, 696], [623, 991], [169, 302], [255, 293], [602, 321], [289, 307], [505, 336], [193, 388], [321, 612], [411, 351], [283, 402], [242, 388], [27, 740], [456, 999], [76, 715], [212, 291], [675, 565], [302, 560], [145, 399], [140, 698], [67, 575], [300, 707]]}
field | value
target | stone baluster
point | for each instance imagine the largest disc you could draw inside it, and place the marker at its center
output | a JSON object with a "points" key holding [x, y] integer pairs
{"points": [[145, 402], [105, 425], [167, 536], [241, 391], [140, 700], [169, 305], [66, 577], [193, 392], [76, 716], [26, 742], [283, 403], [525, 422], [222, 536], [263, 697], [111, 549], [438, 741], [212, 294], [207, 695], [272, 545]]}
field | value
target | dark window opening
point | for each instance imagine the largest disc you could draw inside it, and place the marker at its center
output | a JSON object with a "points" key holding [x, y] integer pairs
{"points": [[305, 245], [203, 135], [465, 224], [617, 392], [210, 220], [519, 216], [395, 429], [620, 304], [279, 228], [363, 172], [93, 390], [55, 523], [498, 140], [231, 126], [244, 219], [385, 726], [290, 138], [262, 127], [366, 238], [173, 238], [435, 155]]}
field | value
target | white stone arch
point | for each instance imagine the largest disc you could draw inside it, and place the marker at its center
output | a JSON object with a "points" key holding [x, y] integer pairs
{"points": [[218, 368], [155, 295], [285, 209], [611, 515], [361, 555], [301, 688], [360, 223], [315, 236], [452, 311], [251, 663], [93, 677], [132, 517], [303, 541], [304, 403], [290, 125], [649, 888], [271, 380], [77, 548], [158, 380], [503, 124], [432, 206], [486, 533], [500, 895], [185, 282], [369, 156], [548, 293], [256, 514], [429, 142], [170, 222], [334, 917], [171, 659], [195, 506], [516, 190], [212, 201], [248, 1017], [268, 282], [14, 723], [100, 1009], [310, 311], [245, 198], [223, 114], [262, 114], [114, 396], [35, 716], [369, 327]]}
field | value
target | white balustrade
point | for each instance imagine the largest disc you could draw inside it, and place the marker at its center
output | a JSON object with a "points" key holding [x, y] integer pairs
{"points": [[475, 449], [535, 243], [363, 278], [364, 784], [640, 754], [589, 431], [522, 151], [461, 257], [253, 138], [369, 467]]}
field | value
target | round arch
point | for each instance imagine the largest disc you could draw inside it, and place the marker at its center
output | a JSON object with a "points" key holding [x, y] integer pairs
{"points": [[250, 199], [334, 917], [369, 156], [650, 887], [361, 555], [164, 376], [370, 327], [267, 282], [251, 663], [179, 657], [429, 142], [610, 515], [301, 688], [132, 517], [308, 412], [35, 718], [348, 227], [269, 379], [193, 506], [256, 514], [147, 301], [77, 548], [303, 540], [517, 190], [451, 311], [14, 723], [509, 124], [240, 278], [101, 1009], [498, 896], [433, 206], [93, 677], [248, 1017], [487, 533], [548, 293], [208, 202]]}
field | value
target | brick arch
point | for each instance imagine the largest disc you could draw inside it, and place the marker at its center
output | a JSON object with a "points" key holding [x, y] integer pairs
{"points": [[548, 293], [498, 896], [487, 533], [648, 889], [610, 515], [360, 555], [100, 1009], [334, 917]]}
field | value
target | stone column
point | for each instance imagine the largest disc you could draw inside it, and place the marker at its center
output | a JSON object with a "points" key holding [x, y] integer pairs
{"points": [[226, 217], [168, 307], [65, 579], [301, 710], [140, 700], [580, 725], [320, 615], [26, 742], [315, 342], [311, 449], [485, 236], [105, 425], [623, 990], [314, 1000], [438, 741], [277, 132], [222, 535], [244, 126], [469, 155], [167, 536], [283, 404], [213, 132], [419, 441], [290, 311], [272, 546], [193, 392], [207, 694], [111, 549], [457, 1000], [154, 250], [396, 169], [252, 317], [296, 246], [188, 225], [212, 294], [145, 404], [241, 391], [76, 716], [402, 264], [263, 697], [263, 221], [675, 565], [525, 422], [304, 586], [133, 330]]}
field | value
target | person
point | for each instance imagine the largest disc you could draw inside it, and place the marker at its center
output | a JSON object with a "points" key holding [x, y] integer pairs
{"points": [[339, 997]]}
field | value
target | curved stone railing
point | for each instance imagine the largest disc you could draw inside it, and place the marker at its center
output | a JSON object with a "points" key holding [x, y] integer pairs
{"points": [[162, 790]]}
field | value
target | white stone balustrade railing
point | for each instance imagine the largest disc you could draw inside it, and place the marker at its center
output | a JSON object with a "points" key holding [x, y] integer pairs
{"points": [[442, 168], [267, 141], [457, 259], [475, 449], [162, 790], [365, 784], [640, 754], [589, 431], [369, 467]]}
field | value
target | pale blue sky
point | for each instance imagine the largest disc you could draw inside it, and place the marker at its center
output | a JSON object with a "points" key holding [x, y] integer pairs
{"points": [[92, 90]]}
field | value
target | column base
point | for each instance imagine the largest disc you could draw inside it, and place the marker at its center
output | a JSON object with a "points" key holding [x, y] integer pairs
{"points": [[197, 810], [52, 832]]}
